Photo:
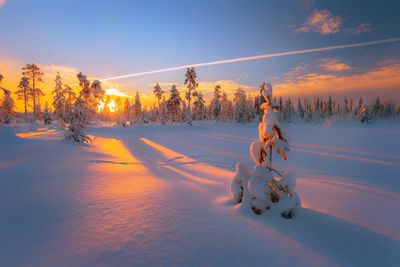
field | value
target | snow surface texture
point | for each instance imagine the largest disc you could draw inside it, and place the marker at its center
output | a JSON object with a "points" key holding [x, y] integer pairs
{"points": [[151, 196]]}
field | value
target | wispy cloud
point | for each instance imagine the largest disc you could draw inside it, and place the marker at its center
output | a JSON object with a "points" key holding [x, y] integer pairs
{"points": [[2, 3], [321, 21], [363, 27], [332, 64]]}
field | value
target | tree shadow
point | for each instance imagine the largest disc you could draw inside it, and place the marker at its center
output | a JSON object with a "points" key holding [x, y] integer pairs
{"points": [[343, 242]]}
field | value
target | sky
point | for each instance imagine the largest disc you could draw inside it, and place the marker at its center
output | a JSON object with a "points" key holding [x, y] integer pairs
{"points": [[110, 38]]}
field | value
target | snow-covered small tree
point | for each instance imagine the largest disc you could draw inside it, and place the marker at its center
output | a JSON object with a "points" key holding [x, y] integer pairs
{"points": [[216, 103], [78, 123], [199, 106], [173, 104], [6, 106], [47, 117], [23, 93], [84, 105], [70, 99], [59, 101], [158, 92], [363, 113], [137, 110], [264, 188], [191, 83], [240, 105], [127, 112], [163, 113]]}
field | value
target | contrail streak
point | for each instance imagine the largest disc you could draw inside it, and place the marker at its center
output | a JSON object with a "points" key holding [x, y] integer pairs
{"points": [[257, 57]]}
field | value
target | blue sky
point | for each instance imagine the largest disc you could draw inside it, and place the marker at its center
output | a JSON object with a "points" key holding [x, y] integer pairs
{"points": [[107, 38]]}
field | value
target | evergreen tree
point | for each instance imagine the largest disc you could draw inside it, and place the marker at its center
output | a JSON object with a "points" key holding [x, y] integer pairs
{"points": [[377, 109], [199, 107], [239, 105], [226, 108], [258, 188], [82, 109], [330, 106], [34, 74], [164, 111], [70, 99], [127, 112], [363, 113], [300, 110], [59, 101], [137, 109], [6, 105], [23, 93], [191, 83], [173, 104], [216, 103], [47, 117], [158, 92]]}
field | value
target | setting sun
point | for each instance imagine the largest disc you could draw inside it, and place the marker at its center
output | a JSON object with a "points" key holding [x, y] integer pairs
{"points": [[112, 106]]}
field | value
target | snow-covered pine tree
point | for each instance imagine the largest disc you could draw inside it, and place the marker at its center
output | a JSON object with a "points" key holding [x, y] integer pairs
{"points": [[78, 123], [158, 92], [191, 83], [70, 99], [173, 104], [84, 107], [300, 110], [38, 94], [199, 106], [6, 105], [263, 188], [23, 93], [35, 75], [363, 113], [59, 101], [127, 112], [377, 109], [47, 117], [239, 105], [163, 111], [137, 109], [226, 107], [216, 103]]}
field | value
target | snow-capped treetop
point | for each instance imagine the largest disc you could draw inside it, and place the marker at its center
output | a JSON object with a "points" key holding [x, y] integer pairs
{"points": [[96, 89], [158, 92], [24, 82], [5, 91]]}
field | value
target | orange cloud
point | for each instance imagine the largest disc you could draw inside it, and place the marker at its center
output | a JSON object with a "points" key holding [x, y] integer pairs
{"points": [[321, 21], [385, 77], [331, 64]]}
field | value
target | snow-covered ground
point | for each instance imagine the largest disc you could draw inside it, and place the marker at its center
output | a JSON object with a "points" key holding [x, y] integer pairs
{"points": [[159, 196]]}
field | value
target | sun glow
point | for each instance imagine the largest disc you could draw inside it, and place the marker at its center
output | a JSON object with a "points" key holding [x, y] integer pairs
{"points": [[112, 106]]}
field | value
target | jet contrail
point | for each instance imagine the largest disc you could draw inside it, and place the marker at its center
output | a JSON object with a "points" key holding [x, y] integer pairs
{"points": [[257, 57]]}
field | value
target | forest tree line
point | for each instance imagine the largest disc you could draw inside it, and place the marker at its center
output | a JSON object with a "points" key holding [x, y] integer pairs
{"points": [[170, 107]]}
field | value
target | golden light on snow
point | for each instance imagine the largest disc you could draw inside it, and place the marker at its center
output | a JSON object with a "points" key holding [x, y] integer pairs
{"points": [[37, 133]]}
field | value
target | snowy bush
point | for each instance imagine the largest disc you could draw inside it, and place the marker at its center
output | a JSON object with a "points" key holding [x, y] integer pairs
{"points": [[264, 188]]}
